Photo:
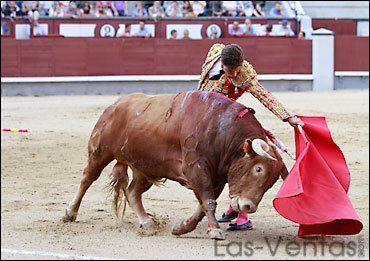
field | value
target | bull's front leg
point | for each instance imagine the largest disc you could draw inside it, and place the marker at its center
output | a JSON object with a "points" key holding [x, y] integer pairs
{"points": [[214, 231], [209, 208], [188, 225], [203, 188]]}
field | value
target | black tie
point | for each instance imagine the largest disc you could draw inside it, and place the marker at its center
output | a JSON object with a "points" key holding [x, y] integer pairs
{"points": [[217, 76]]}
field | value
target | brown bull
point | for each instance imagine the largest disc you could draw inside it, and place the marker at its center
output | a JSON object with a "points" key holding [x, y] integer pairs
{"points": [[195, 138]]}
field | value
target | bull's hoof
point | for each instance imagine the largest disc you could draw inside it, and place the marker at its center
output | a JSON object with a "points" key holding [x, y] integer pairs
{"points": [[183, 227], [216, 233], [148, 228], [150, 224], [178, 229], [69, 218]]}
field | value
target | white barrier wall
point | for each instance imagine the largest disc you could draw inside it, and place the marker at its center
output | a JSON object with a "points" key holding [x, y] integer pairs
{"points": [[323, 60]]}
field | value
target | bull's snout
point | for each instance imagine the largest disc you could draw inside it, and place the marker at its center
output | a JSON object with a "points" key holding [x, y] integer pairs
{"points": [[243, 205]]}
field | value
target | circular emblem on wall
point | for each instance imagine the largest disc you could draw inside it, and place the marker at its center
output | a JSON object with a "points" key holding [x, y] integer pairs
{"points": [[107, 30], [213, 28]]}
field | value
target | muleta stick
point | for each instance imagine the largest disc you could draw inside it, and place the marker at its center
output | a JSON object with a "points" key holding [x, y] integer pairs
{"points": [[278, 143], [17, 130], [269, 134]]}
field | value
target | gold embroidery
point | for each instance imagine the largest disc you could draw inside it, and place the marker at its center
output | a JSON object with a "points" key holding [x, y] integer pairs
{"points": [[246, 79], [267, 99]]}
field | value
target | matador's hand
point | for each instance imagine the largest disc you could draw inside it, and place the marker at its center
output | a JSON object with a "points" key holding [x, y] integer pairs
{"points": [[294, 121]]}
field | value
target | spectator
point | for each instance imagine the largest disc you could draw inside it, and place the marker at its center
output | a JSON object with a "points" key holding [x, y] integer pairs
{"points": [[258, 10], [139, 10], [166, 4], [268, 30], [217, 8], [174, 10], [249, 29], [121, 7], [186, 35], [3, 4], [143, 31], [4, 28], [277, 10], [87, 9], [37, 29], [102, 10], [11, 9], [109, 8], [126, 32], [173, 34], [31, 8], [301, 35], [44, 7], [231, 8], [65, 3], [235, 29], [199, 7], [21, 8], [56, 10], [72, 11], [246, 8], [285, 29], [187, 10], [156, 11]]}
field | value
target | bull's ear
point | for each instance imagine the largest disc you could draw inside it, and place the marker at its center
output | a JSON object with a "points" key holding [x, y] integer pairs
{"points": [[247, 147], [284, 172]]}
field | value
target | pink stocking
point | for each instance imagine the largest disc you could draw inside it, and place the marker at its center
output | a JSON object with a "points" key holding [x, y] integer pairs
{"points": [[242, 218], [230, 209]]}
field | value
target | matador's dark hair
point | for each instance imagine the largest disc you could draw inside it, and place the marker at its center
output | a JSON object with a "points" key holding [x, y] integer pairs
{"points": [[232, 55]]}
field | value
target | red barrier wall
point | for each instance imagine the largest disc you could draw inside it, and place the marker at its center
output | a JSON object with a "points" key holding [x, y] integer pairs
{"points": [[351, 53], [124, 56], [339, 26]]}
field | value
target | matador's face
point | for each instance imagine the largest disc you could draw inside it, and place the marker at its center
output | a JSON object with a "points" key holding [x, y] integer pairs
{"points": [[230, 71]]}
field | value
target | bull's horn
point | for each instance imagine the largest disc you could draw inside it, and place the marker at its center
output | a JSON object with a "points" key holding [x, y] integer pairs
{"points": [[258, 146]]}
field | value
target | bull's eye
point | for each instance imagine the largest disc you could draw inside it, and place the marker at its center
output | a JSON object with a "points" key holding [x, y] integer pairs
{"points": [[259, 169]]}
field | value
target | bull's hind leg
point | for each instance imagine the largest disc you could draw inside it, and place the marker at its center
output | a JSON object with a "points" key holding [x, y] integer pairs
{"points": [[138, 186], [90, 174]]}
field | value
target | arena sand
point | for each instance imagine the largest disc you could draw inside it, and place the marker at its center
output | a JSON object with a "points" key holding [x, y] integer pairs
{"points": [[41, 171]]}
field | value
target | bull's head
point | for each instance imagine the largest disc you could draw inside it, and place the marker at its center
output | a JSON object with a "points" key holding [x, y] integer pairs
{"points": [[253, 174]]}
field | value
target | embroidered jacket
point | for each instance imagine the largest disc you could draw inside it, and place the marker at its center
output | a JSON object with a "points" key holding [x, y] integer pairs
{"points": [[246, 80]]}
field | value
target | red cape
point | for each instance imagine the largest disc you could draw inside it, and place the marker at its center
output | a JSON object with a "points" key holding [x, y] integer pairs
{"points": [[314, 194]]}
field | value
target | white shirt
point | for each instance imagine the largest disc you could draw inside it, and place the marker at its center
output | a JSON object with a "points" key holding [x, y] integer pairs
{"points": [[215, 69], [39, 30], [283, 31]]}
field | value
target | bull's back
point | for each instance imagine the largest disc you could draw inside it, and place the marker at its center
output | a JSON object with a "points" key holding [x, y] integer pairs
{"points": [[149, 131]]}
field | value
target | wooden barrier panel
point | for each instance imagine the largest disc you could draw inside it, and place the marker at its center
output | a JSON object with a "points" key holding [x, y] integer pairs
{"points": [[351, 53], [338, 26], [126, 56], [122, 56]]}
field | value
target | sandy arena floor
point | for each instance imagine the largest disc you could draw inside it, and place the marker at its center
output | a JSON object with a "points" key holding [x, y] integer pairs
{"points": [[41, 171]]}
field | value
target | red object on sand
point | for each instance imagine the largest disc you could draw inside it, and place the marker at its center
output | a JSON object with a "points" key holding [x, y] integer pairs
{"points": [[314, 194], [16, 130]]}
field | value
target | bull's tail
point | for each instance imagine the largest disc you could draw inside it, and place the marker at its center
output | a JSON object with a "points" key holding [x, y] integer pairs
{"points": [[118, 186]]}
